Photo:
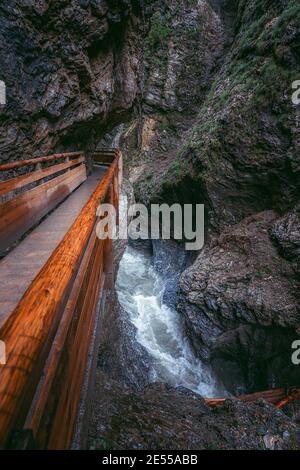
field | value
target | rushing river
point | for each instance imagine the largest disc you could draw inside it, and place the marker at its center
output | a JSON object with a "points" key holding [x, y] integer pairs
{"points": [[158, 329]]}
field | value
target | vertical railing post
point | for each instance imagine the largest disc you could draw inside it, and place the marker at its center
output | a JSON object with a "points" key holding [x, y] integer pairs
{"points": [[67, 159], [120, 167], [38, 167], [108, 250], [116, 194]]}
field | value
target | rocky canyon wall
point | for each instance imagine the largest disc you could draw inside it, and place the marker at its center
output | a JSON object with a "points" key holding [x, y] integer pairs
{"points": [[203, 88], [217, 125], [71, 72]]}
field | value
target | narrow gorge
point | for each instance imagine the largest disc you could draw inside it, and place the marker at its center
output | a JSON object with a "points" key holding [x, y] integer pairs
{"points": [[197, 94]]}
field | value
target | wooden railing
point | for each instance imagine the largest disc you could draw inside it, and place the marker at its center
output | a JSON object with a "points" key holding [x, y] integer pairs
{"points": [[38, 160], [48, 335], [279, 397], [20, 211]]}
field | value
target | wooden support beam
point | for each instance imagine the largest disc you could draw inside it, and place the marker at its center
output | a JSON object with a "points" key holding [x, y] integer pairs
{"points": [[108, 251], [120, 169]]}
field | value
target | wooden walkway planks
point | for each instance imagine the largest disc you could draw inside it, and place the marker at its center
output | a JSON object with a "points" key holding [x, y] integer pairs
{"points": [[20, 267]]}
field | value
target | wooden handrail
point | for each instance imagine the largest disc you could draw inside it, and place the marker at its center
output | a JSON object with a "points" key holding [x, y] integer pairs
{"points": [[20, 181], [107, 150], [34, 161], [105, 156], [19, 212], [29, 330], [37, 329], [279, 397]]}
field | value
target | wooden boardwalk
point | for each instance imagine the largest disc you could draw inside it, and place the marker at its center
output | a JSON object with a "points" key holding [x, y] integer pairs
{"points": [[52, 284], [20, 267]]}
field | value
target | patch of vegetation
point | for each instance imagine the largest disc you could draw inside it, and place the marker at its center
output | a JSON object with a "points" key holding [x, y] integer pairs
{"points": [[194, 31], [176, 167], [156, 41], [100, 444], [159, 32], [180, 166], [249, 95]]}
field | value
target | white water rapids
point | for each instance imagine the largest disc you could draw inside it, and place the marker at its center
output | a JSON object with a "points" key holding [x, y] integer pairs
{"points": [[158, 329]]}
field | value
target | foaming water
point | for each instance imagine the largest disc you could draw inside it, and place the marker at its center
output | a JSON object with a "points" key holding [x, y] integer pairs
{"points": [[158, 329]]}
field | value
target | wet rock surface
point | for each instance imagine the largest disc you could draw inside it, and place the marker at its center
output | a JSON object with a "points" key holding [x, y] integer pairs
{"points": [[286, 233], [120, 356], [160, 417], [184, 44], [241, 307], [169, 259]]}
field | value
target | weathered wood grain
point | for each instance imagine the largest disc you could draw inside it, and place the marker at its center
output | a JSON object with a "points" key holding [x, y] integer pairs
{"points": [[60, 437], [35, 161], [19, 268], [23, 180], [30, 329], [18, 215], [278, 397], [54, 395]]}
